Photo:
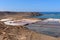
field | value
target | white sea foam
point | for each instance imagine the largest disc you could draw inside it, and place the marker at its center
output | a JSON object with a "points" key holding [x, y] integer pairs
{"points": [[52, 21]]}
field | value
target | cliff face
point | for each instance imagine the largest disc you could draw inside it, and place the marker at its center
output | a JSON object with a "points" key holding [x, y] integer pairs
{"points": [[21, 33]]}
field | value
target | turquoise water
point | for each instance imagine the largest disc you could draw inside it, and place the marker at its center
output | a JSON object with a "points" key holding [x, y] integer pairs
{"points": [[49, 15]]}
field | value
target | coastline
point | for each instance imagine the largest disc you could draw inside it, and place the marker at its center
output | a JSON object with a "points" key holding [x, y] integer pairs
{"points": [[41, 27]]}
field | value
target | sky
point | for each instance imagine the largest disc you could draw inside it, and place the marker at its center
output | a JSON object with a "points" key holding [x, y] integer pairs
{"points": [[30, 5]]}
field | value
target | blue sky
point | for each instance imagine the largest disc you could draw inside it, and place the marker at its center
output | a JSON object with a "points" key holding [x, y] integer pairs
{"points": [[30, 5]]}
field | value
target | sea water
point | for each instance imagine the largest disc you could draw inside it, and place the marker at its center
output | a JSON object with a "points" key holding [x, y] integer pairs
{"points": [[49, 15], [48, 28]]}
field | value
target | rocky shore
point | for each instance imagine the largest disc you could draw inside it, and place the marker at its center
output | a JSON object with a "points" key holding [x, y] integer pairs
{"points": [[9, 32], [20, 33], [19, 14]]}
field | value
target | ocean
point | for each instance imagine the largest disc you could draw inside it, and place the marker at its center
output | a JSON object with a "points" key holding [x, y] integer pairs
{"points": [[49, 28], [55, 15]]}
